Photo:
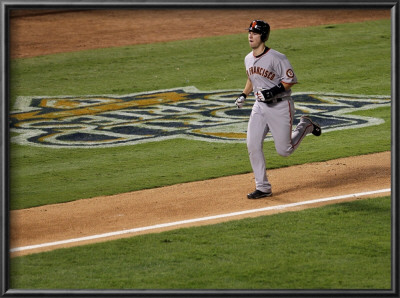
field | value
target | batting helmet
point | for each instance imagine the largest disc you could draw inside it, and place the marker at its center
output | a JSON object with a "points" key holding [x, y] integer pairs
{"points": [[260, 27]]}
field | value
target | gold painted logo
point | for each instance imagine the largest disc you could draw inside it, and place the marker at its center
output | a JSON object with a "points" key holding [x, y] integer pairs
{"points": [[111, 120]]}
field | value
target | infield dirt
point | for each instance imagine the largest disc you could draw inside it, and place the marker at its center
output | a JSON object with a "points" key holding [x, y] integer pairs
{"points": [[44, 32]]}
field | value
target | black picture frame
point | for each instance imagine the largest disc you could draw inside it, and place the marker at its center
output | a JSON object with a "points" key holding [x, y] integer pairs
{"points": [[7, 6]]}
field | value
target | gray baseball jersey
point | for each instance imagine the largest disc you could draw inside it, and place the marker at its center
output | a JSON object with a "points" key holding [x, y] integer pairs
{"points": [[268, 70]]}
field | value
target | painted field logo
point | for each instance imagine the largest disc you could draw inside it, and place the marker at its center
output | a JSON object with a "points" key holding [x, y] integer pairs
{"points": [[110, 120]]}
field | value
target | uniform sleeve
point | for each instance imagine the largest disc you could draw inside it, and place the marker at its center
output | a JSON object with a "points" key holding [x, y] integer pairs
{"points": [[285, 71]]}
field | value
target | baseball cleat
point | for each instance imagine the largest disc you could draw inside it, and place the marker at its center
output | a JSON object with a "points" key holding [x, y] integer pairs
{"points": [[257, 194], [317, 128]]}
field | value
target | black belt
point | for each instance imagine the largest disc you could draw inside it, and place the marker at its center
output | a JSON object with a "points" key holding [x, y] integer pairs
{"points": [[275, 100]]}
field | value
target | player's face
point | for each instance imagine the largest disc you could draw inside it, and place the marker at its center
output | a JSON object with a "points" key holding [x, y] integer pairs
{"points": [[255, 40]]}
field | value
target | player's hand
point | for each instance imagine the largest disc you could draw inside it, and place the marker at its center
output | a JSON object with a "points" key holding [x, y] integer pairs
{"points": [[264, 94], [240, 100]]}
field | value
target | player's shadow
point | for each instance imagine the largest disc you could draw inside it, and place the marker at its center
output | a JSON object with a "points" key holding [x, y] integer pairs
{"points": [[337, 179]]}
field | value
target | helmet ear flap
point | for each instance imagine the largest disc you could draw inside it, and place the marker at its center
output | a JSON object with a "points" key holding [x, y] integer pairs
{"points": [[265, 35]]}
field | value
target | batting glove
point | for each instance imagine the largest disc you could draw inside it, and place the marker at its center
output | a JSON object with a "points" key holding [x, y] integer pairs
{"points": [[240, 100], [264, 95]]}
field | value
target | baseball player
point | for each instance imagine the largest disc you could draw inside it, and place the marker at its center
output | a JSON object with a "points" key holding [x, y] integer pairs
{"points": [[270, 77]]}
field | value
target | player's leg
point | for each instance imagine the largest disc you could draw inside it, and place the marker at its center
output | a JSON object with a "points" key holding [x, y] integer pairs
{"points": [[302, 129], [256, 131], [281, 122]]}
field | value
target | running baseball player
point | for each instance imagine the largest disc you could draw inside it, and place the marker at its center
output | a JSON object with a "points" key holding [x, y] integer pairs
{"points": [[270, 77]]}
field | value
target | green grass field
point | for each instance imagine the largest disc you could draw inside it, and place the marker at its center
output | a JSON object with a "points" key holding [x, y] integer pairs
{"points": [[344, 246], [39, 173], [334, 62]]}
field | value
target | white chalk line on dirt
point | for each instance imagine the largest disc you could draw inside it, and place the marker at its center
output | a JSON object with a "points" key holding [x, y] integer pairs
{"points": [[194, 220]]}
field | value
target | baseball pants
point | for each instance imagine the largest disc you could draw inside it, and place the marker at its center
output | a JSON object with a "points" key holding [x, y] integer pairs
{"points": [[276, 118]]}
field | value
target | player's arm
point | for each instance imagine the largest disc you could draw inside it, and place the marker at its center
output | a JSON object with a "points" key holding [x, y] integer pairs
{"points": [[265, 94], [246, 91], [248, 88]]}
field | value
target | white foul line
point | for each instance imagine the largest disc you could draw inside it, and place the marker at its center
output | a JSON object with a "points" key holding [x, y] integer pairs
{"points": [[182, 222]]}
